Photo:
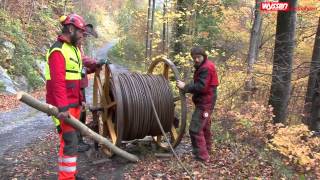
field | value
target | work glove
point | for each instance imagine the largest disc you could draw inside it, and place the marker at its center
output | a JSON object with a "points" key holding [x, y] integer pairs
{"points": [[181, 84], [59, 129], [83, 106], [63, 115], [83, 72], [104, 61]]}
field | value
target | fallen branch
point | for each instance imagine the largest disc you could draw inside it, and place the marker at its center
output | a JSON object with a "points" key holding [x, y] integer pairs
{"points": [[53, 111], [163, 155], [100, 161]]}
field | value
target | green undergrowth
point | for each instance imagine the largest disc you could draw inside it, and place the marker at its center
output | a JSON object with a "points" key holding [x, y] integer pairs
{"points": [[27, 51]]}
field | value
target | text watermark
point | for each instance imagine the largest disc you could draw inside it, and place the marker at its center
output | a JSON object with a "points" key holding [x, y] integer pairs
{"points": [[283, 6]]}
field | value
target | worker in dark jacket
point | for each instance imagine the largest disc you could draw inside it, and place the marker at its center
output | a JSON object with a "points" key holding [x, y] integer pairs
{"points": [[204, 90], [63, 75]]}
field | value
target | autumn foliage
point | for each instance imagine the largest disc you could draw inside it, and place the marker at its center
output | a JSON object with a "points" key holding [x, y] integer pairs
{"points": [[298, 145]]}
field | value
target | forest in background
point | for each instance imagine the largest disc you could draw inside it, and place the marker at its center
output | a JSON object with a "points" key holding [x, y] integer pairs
{"points": [[223, 27]]}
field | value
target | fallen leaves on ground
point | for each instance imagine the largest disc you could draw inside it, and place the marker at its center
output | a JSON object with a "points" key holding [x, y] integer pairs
{"points": [[9, 102], [227, 161], [32, 161], [232, 156]]}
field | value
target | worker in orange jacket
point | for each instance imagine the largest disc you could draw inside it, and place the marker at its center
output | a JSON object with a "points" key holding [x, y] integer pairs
{"points": [[63, 76], [90, 65]]}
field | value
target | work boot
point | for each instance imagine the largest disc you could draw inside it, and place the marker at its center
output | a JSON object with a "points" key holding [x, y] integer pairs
{"points": [[205, 161], [315, 133], [176, 122], [79, 177], [82, 146]]}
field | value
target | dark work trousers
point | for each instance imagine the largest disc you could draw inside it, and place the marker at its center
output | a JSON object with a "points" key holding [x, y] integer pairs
{"points": [[200, 129], [200, 133], [83, 114]]}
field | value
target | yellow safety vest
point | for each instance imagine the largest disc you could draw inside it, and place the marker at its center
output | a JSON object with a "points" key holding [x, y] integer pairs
{"points": [[56, 121], [72, 58], [73, 62]]}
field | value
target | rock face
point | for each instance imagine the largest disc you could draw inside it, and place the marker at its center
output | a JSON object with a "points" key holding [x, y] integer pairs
{"points": [[6, 51], [41, 66], [7, 85], [21, 83], [6, 82]]}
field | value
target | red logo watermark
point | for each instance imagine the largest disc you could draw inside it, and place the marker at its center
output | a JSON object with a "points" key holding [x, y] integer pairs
{"points": [[274, 6], [283, 6]]}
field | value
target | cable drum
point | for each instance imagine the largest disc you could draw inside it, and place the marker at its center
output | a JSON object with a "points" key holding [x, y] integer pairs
{"points": [[126, 104], [138, 118]]}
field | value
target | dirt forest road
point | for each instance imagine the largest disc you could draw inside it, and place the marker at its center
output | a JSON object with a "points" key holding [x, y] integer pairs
{"points": [[29, 145], [21, 126]]}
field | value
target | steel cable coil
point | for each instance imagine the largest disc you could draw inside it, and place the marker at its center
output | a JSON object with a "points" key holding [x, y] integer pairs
{"points": [[139, 120]]}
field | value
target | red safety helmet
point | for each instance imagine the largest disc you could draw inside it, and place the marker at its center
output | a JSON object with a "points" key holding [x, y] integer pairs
{"points": [[78, 22], [75, 20]]}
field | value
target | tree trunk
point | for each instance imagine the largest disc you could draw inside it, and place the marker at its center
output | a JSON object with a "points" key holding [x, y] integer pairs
{"points": [[167, 30], [282, 62], [65, 7], [148, 28], [253, 48], [164, 27], [148, 33], [312, 95], [179, 29], [151, 33], [53, 111], [259, 40]]}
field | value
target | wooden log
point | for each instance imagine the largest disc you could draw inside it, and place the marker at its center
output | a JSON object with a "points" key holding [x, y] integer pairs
{"points": [[53, 111]]}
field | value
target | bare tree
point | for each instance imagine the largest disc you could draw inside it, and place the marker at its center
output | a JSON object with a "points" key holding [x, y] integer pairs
{"points": [[253, 49], [164, 28], [149, 34], [282, 62], [148, 29], [151, 28], [180, 28], [312, 101], [3, 4]]}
